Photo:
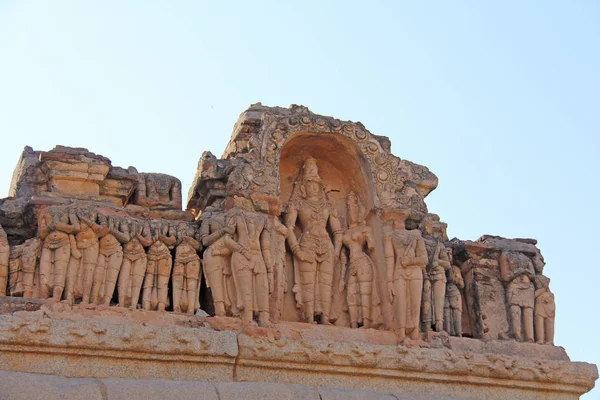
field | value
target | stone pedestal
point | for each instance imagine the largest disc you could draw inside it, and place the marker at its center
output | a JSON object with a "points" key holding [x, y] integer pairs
{"points": [[125, 345]]}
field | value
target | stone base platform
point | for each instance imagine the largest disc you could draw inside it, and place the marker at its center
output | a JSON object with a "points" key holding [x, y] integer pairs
{"points": [[114, 349]]}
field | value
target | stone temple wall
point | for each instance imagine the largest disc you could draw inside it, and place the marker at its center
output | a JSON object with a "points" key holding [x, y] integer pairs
{"points": [[306, 256]]}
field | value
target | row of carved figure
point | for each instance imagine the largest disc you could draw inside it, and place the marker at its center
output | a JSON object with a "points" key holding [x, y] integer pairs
{"points": [[84, 256]]}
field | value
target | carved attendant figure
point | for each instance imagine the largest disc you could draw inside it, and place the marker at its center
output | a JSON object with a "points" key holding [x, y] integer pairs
{"points": [[314, 252], [87, 245], [363, 301], [516, 270], [217, 259], [135, 260], [406, 259], [158, 271], [278, 236], [437, 276], [23, 260], [110, 259], [54, 227], [250, 272], [186, 271], [544, 311], [453, 305]]}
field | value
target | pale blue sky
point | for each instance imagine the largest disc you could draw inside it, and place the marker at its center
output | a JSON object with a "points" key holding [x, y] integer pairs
{"points": [[501, 101]]}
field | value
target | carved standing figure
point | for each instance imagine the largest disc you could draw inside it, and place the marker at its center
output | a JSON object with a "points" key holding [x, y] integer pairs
{"points": [[4, 256], [214, 233], [186, 270], [134, 236], [55, 224], [406, 259], [516, 270], [437, 276], [453, 304], [544, 311], [23, 260], [87, 244], [278, 236], [250, 272], [158, 271], [363, 299], [314, 252], [110, 259]]}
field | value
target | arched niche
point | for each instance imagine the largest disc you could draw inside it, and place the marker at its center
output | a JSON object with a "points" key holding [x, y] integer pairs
{"points": [[341, 166]]}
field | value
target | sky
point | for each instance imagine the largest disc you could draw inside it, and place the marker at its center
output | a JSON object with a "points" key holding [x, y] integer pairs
{"points": [[501, 100]]}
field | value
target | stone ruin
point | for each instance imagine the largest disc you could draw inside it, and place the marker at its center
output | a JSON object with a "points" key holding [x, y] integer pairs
{"points": [[306, 255]]}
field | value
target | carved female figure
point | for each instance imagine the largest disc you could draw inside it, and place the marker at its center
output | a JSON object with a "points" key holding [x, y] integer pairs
{"points": [[158, 271], [436, 274], [277, 258], [544, 311], [110, 259], [453, 304], [87, 244], [313, 250], [135, 260], [186, 270], [363, 301], [406, 259], [55, 224]]}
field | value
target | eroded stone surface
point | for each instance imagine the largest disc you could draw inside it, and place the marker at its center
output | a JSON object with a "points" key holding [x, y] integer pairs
{"points": [[304, 220]]}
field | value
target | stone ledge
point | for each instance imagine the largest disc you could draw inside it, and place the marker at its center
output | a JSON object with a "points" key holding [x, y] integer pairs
{"points": [[425, 370], [27, 386], [151, 345]]}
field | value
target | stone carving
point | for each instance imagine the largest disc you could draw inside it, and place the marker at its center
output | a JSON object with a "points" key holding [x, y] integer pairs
{"points": [[314, 252], [251, 274], [436, 274], [158, 191], [105, 230], [55, 224], [362, 294], [158, 270], [406, 259], [83, 280], [517, 272], [135, 260], [278, 236], [186, 271], [4, 257], [110, 259], [545, 308], [453, 305], [216, 238], [23, 261], [262, 132], [544, 311]]}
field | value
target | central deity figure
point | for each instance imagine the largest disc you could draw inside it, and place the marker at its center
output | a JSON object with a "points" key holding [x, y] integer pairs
{"points": [[314, 252]]}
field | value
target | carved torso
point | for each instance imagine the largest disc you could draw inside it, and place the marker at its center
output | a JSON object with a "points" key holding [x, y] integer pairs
{"points": [[133, 250], [109, 245], [158, 251], [86, 237]]}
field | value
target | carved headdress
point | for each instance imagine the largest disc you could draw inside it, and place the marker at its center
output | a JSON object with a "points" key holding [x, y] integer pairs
{"points": [[309, 172], [353, 200]]}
